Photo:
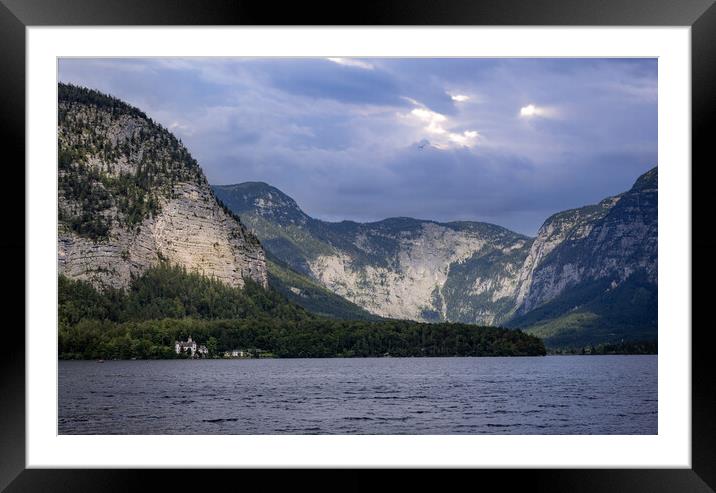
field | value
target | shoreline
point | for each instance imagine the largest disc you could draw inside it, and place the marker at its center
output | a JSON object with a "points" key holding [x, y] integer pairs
{"points": [[351, 357]]}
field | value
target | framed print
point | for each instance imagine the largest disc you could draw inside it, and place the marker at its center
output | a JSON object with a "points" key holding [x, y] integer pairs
{"points": [[412, 237]]}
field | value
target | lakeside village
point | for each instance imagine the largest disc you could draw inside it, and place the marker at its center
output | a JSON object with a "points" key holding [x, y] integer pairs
{"points": [[190, 349]]}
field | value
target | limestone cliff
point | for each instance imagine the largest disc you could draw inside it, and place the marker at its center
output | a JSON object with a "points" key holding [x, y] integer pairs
{"points": [[398, 268], [591, 270], [611, 240], [130, 196]]}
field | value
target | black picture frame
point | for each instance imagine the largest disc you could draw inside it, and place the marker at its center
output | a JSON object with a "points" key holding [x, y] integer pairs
{"points": [[16, 15]]}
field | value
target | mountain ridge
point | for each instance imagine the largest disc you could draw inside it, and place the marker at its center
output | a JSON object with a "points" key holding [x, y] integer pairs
{"points": [[343, 256], [468, 271], [131, 197]]}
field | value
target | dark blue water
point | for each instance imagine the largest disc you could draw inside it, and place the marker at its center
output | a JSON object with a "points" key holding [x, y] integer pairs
{"points": [[542, 395]]}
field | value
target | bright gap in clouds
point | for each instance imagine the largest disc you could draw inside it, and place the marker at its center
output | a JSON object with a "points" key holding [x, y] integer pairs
{"points": [[529, 110], [351, 62], [436, 126]]}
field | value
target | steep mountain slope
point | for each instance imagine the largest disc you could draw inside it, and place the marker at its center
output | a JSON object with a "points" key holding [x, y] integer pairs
{"points": [[594, 270], [589, 276], [398, 268], [311, 295], [131, 196]]}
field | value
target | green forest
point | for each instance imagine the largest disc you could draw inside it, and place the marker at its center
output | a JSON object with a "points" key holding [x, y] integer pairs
{"points": [[167, 303]]}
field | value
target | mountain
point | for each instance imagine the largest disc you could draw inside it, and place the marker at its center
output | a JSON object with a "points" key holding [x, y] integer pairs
{"points": [[592, 272], [396, 268], [312, 295], [588, 277], [130, 197], [148, 255]]}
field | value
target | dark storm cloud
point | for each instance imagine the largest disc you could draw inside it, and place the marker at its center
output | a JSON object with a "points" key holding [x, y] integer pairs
{"points": [[508, 141], [322, 79]]}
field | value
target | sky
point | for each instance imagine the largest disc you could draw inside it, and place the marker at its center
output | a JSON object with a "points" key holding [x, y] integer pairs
{"points": [[499, 140]]}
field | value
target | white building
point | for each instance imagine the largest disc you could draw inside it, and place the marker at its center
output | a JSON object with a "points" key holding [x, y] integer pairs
{"points": [[190, 346]]}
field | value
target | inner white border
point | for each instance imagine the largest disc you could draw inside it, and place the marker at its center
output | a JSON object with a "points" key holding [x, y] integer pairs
{"points": [[670, 448]]}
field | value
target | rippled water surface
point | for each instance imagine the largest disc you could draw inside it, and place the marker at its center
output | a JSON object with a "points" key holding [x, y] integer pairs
{"points": [[542, 395]]}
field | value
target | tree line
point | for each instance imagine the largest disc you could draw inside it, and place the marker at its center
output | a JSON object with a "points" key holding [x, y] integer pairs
{"points": [[622, 347], [168, 303]]}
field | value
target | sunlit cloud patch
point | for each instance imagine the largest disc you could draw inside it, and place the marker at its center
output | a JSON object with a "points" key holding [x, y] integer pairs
{"points": [[352, 62]]}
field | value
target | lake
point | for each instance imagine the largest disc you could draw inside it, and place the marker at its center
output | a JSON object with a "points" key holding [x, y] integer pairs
{"points": [[537, 395]]}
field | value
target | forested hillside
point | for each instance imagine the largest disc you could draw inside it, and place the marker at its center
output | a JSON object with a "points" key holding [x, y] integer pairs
{"points": [[167, 303]]}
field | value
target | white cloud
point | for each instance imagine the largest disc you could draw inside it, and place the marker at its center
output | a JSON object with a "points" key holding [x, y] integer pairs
{"points": [[460, 98], [467, 138], [531, 110], [411, 100], [438, 126], [433, 120], [352, 62]]}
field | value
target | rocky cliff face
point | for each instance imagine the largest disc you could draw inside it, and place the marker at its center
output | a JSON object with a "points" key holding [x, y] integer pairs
{"points": [[591, 259], [539, 282], [131, 196], [591, 275], [418, 279], [611, 240], [399, 268]]}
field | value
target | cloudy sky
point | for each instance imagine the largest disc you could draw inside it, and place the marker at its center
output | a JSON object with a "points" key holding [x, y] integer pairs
{"points": [[506, 141]]}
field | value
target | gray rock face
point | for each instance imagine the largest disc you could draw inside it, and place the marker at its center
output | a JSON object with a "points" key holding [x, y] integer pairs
{"points": [[612, 240], [413, 282], [397, 268], [191, 230], [462, 272], [149, 199], [539, 282]]}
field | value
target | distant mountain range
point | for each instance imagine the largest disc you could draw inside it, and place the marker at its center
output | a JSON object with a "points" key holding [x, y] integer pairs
{"points": [[590, 275]]}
